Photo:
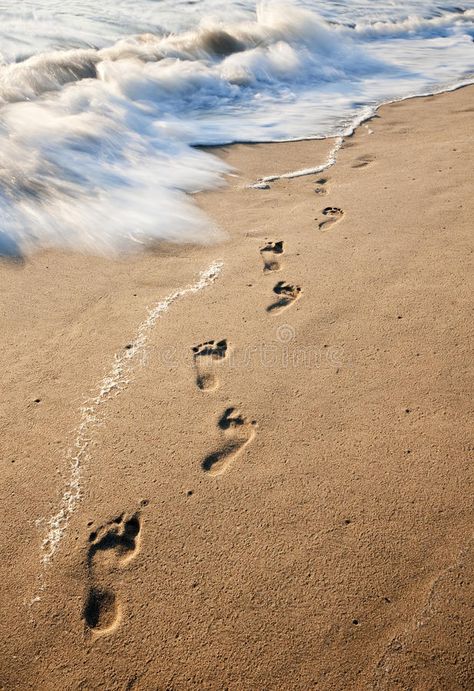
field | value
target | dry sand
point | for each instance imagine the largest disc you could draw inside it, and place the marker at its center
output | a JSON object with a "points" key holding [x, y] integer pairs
{"points": [[289, 507]]}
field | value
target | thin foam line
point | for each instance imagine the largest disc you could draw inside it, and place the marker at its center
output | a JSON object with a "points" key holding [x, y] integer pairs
{"points": [[330, 161], [115, 381]]}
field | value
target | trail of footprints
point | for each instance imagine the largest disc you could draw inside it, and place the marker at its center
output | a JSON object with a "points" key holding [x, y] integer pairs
{"points": [[235, 430], [113, 546]]}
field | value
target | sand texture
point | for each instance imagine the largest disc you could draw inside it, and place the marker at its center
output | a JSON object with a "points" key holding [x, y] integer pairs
{"points": [[258, 477]]}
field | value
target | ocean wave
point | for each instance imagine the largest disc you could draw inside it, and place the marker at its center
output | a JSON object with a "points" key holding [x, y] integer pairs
{"points": [[444, 24], [97, 145]]}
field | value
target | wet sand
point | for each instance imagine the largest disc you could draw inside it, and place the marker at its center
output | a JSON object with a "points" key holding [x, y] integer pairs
{"points": [[271, 480]]}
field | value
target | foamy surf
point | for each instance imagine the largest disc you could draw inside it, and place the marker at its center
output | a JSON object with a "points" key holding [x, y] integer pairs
{"points": [[98, 136], [331, 160], [114, 382]]}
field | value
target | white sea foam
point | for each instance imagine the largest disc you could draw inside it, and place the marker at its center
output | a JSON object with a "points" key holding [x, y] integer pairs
{"points": [[99, 111], [330, 161], [116, 380]]}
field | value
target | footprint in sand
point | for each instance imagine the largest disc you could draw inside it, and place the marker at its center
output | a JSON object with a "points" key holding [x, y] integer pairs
{"points": [[205, 356], [238, 432], [332, 215], [269, 252], [363, 161], [113, 546], [320, 186], [287, 295]]}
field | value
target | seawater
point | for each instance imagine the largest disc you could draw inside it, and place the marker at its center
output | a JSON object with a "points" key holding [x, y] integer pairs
{"points": [[102, 104]]}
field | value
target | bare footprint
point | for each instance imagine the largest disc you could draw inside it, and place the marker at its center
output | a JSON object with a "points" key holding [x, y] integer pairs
{"points": [[238, 432], [205, 356], [332, 215], [320, 186], [270, 263], [288, 294], [363, 161], [113, 545]]}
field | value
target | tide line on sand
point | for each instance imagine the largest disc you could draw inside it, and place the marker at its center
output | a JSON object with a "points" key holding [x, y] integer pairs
{"points": [[115, 381], [330, 161]]}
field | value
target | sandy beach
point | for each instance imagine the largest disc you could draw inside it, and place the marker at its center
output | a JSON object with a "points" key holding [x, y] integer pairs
{"points": [[249, 465]]}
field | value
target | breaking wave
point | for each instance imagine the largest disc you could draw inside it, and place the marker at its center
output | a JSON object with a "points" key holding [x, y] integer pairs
{"points": [[97, 145]]}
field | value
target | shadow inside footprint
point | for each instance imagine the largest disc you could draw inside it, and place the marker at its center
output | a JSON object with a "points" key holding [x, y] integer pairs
{"points": [[363, 161], [205, 355], [119, 535], [288, 295], [238, 433], [101, 612], [332, 214]]}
